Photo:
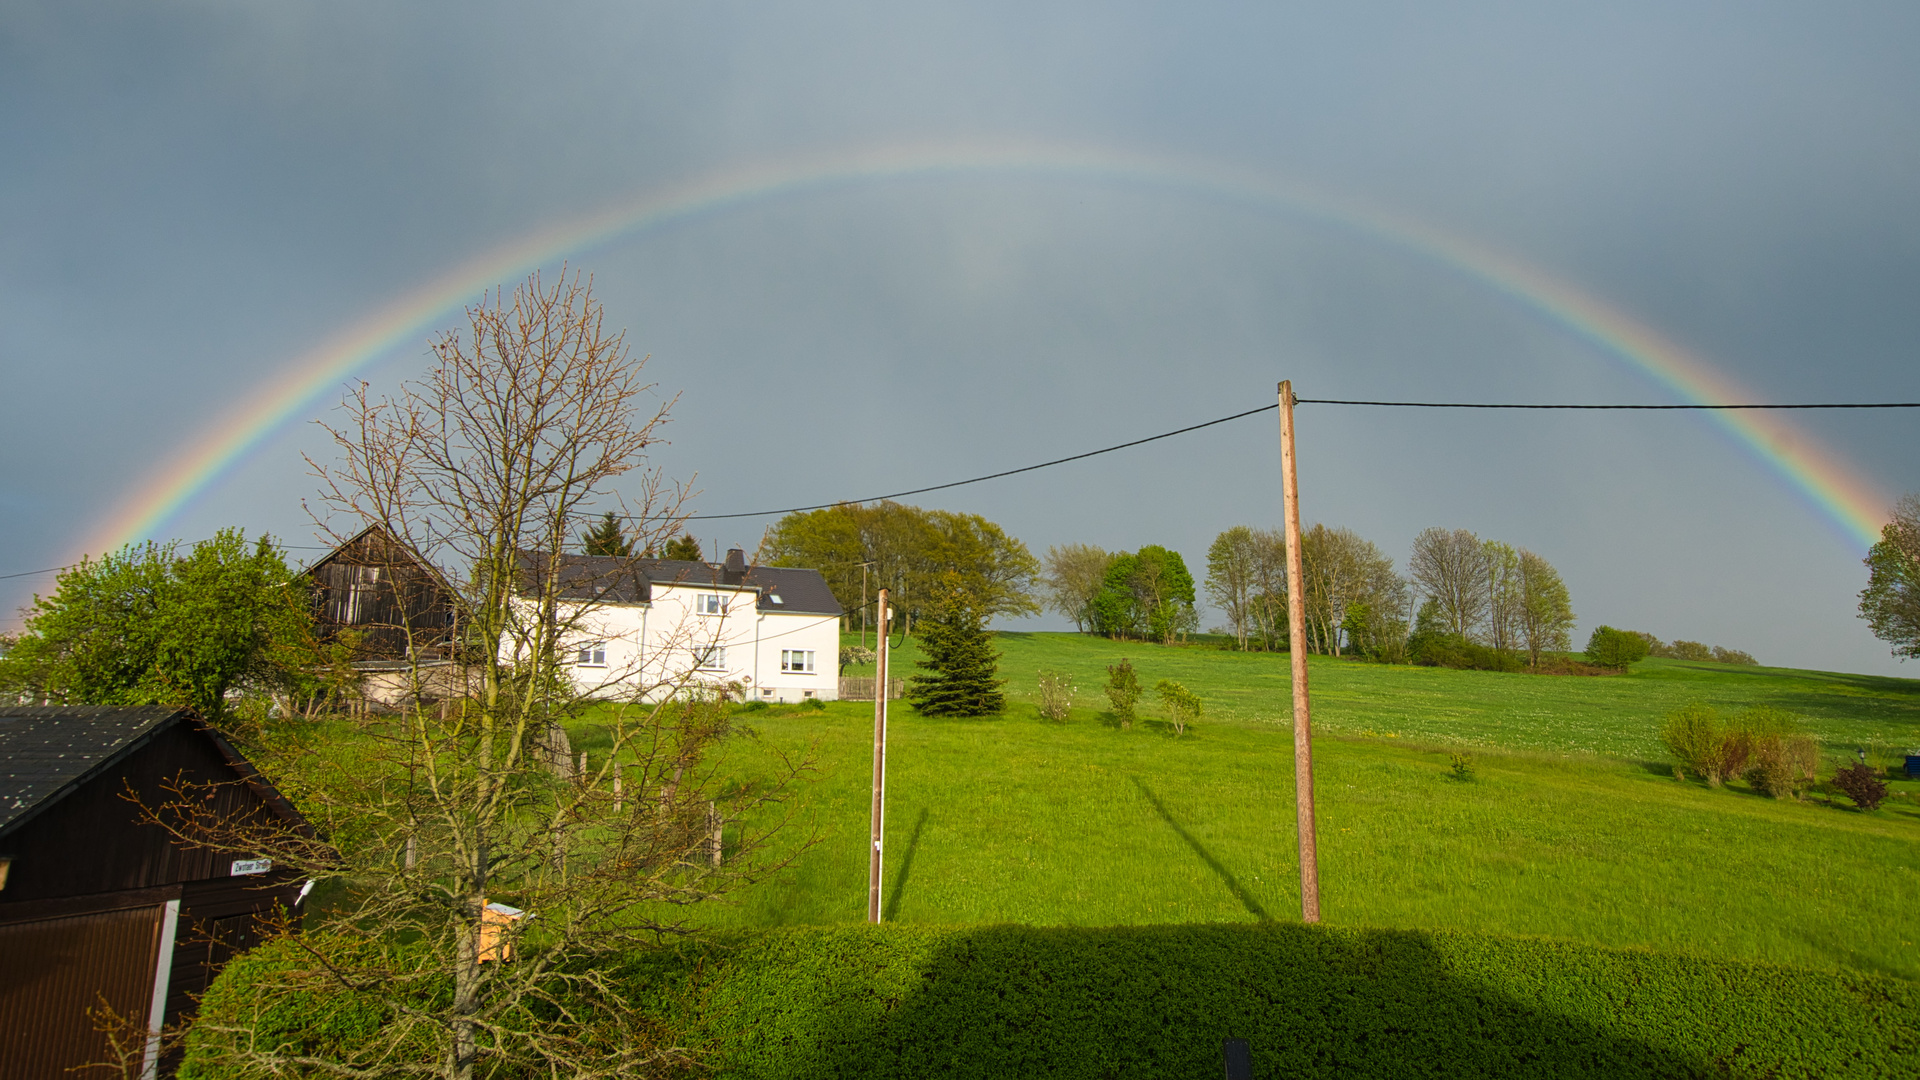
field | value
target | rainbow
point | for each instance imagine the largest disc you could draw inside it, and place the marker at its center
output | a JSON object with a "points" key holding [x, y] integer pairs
{"points": [[1829, 483]]}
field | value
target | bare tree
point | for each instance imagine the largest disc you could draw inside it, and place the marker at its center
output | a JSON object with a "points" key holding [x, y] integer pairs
{"points": [[1073, 576], [1267, 607], [1545, 612], [1451, 567], [486, 890], [1349, 583], [1504, 595], [1230, 568]]}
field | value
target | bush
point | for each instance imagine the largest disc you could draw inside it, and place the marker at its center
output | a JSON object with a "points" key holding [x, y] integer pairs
{"points": [[1689, 650], [1056, 695], [1733, 656], [1454, 651], [1182, 705], [1153, 1001], [1617, 649], [1123, 690], [1694, 738], [814, 703], [1859, 783], [1461, 765], [1780, 761]]}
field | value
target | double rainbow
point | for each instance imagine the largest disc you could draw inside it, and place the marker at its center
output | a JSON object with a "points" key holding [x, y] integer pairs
{"points": [[1830, 484]]}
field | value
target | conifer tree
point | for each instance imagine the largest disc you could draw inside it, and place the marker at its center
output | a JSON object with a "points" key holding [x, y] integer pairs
{"points": [[958, 654], [684, 548], [606, 538]]}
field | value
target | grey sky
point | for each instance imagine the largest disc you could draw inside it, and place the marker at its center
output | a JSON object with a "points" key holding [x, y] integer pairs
{"points": [[192, 195]]}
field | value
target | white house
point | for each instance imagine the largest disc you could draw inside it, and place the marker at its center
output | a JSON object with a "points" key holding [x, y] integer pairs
{"points": [[648, 626]]}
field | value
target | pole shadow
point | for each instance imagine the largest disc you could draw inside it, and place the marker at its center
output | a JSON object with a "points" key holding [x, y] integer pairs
{"points": [[1239, 891], [892, 907]]}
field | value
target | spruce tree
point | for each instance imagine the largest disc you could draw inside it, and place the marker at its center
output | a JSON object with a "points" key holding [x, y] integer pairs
{"points": [[606, 538], [958, 653], [684, 548]]}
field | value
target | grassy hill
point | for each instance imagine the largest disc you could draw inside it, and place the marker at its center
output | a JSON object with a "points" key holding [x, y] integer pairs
{"points": [[1572, 828]]}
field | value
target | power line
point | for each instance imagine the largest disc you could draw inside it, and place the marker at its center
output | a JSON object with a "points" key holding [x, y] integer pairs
{"points": [[989, 476], [1650, 408], [1208, 424]]}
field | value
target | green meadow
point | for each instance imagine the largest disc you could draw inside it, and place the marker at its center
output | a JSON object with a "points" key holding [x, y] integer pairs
{"points": [[1572, 825]]}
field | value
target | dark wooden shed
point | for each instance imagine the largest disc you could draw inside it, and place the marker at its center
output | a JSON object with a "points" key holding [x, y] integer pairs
{"points": [[398, 603], [98, 908]]}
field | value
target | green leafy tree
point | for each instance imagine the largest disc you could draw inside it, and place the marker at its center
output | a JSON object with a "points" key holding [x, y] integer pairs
{"points": [[907, 550], [685, 548], [957, 652], [1123, 690], [1610, 648], [150, 625], [1147, 594], [1545, 609], [607, 537], [1891, 601], [1182, 705]]}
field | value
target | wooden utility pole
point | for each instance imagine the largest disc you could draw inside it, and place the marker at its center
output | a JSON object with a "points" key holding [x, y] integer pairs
{"points": [[879, 761], [1297, 652]]}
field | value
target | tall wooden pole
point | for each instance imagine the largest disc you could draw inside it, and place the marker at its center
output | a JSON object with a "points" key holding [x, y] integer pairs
{"points": [[879, 761], [1297, 652]]}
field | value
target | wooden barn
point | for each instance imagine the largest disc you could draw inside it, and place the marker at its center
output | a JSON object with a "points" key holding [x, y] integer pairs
{"points": [[97, 908], [378, 587]]}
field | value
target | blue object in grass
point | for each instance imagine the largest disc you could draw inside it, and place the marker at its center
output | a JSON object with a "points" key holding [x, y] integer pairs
{"points": [[1913, 766]]}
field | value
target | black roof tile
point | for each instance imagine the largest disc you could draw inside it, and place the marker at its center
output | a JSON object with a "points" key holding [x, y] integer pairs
{"points": [[47, 750]]}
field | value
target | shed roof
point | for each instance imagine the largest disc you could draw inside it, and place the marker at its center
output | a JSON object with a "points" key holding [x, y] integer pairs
{"points": [[48, 751]]}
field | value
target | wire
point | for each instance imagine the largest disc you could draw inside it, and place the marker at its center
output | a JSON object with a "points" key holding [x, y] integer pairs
{"points": [[989, 476], [30, 573], [1208, 424], [1653, 408]]}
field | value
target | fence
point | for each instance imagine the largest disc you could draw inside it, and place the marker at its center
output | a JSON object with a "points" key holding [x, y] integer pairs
{"points": [[862, 689]]}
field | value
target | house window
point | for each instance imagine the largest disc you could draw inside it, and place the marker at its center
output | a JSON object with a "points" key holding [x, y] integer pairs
{"points": [[708, 604], [594, 655], [712, 657], [800, 660]]}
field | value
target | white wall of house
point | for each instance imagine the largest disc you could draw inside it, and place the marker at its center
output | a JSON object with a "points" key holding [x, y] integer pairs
{"points": [[703, 634]]}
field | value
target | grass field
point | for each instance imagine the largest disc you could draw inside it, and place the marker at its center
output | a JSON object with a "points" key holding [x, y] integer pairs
{"points": [[1571, 828]]}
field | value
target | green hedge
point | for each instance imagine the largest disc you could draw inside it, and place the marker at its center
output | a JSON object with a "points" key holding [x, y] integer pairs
{"points": [[1156, 1002]]}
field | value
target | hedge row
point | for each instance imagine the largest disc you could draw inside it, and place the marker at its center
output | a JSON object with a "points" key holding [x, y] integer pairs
{"points": [[1313, 1001]]}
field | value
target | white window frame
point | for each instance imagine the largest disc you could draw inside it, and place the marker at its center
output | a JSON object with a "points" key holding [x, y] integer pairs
{"points": [[709, 604], [710, 658], [797, 662], [593, 654]]}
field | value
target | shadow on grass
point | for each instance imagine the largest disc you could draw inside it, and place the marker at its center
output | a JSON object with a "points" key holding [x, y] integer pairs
{"points": [[1239, 891], [1157, 1002], [906, 867]]}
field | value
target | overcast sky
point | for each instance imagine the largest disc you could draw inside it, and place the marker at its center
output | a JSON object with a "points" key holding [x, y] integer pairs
{"points": [[193, 195]]}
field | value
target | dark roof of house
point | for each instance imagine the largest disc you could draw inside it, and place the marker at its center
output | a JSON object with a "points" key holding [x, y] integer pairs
{"points": [[620, 579], [48, 751]]}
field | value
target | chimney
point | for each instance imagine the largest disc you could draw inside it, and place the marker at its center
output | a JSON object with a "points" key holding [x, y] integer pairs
{"points": [[736, 566]]}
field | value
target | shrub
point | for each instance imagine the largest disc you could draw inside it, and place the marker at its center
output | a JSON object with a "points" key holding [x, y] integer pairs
{"points": [[1462, 765], [1616, 649], [1689, 650], [1859, 783], [1780, 761], [1123, 690], [813, 703], [1694, 738], [1056, 695], [1182, 704], [1733, 656], [1454, 651], [1086, 1002]]}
